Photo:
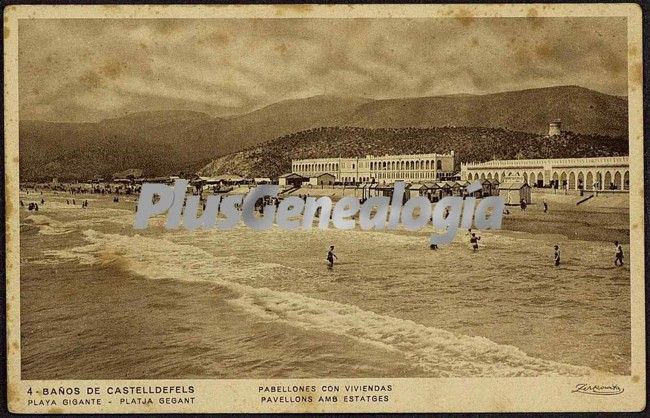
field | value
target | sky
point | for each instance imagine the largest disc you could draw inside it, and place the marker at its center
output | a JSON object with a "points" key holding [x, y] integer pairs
{"points": [[90, 69]]}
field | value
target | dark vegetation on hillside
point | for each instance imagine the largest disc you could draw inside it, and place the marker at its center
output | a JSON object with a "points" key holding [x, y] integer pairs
{"points": [[469, 144]]}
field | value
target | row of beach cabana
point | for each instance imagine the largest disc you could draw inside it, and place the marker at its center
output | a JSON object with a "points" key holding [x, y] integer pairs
{"points": [[433, 190]]}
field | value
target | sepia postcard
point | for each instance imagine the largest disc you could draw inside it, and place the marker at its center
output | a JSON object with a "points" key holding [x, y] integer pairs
{"points": [[324, 208]]}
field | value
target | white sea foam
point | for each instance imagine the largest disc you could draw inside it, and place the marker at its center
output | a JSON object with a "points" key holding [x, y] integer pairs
{"points": [[49, 226], [439, 352]]}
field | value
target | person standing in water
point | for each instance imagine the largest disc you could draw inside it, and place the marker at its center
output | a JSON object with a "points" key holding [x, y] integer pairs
{"points": [[474, 241], [331, 256], [557, 255], [618, 261]]}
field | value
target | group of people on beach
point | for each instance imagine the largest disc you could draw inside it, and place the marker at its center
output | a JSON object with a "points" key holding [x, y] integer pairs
{"points": [[33, 206], [84, 204]]}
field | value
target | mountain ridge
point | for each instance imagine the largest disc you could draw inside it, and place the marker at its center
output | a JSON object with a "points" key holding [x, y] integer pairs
{"points": [[166, 141]]}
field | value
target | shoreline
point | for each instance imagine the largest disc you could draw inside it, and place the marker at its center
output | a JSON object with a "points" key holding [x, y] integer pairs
{"points": [[585, 223]]}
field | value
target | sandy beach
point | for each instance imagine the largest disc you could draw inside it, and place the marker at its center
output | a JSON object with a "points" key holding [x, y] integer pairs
{"points": [[101, 300]]}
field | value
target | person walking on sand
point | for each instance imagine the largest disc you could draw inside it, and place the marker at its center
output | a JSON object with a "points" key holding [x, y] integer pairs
{"points": [[545, 205], [618, 261], [474, 241], [557, 255], [331, 256]]}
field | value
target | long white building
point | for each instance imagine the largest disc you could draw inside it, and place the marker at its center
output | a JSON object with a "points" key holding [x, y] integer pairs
{"points": [[598, 173], [380, 169]]}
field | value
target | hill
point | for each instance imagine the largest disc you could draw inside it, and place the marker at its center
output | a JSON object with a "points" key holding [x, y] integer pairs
{"points": [[160, 142], [468, 143], [581, 110], [169, 141]]}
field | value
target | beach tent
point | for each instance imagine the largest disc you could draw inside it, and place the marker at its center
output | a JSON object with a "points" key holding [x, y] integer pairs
{"points": [[209, 180], [384, 189], [486, 188], [432, 190], [366, 189], [370, 189], [388, 189], [458, 187], [421, 188], [494, 187], [291, 179], [445, 188], [514, 192], [322, 179], [229, 179], [153, 180]]}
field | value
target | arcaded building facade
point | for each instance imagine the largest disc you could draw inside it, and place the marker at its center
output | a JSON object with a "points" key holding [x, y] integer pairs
{"points": [[598, 173], [380, 169]]}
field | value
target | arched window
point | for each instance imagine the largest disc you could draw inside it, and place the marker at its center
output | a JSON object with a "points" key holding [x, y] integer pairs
{"points": [[581, 181], [608, 180], [618, 181]]}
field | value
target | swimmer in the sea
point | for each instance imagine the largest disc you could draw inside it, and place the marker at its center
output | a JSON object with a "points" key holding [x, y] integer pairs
{"points": [[331, 256]]}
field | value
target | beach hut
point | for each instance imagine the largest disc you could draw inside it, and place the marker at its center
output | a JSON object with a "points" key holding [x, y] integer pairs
{"points": [[388, 189], [445, 188], [321, 179], [372, 189], [458, 187], [419, 188], [230, 179], [364, 189], [433, 191], [494, 187], [514, 192], [291, 179], [383, 189], [486, 188]]}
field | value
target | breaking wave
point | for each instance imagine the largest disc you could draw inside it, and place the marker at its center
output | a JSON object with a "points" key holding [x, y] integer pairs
{"points": [[438, 352]]}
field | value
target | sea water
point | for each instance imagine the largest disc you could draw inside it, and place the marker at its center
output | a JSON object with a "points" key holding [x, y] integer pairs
{"points": [[504, 310]]}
